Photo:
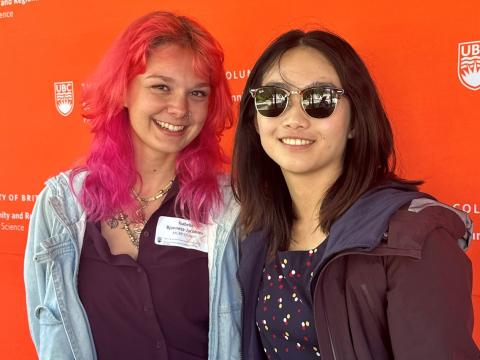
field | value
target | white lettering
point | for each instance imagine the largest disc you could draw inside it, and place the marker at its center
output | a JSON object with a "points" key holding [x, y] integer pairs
{"points": [[6, 14], [28, 198], [237, 74], [21, 197], [468, 208], [465, 50], [475, 49], [4, 215], [18, 216], [9, 227], [63, 87], [22, 2]]}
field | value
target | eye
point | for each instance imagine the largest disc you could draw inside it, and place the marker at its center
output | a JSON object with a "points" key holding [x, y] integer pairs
{"points": [[160, 87], [199, 93]]}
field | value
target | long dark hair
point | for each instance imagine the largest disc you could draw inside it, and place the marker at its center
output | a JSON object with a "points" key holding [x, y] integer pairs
{"points": [[369, 159]]}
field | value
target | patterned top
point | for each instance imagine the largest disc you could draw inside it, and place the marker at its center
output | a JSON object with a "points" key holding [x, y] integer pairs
{"points": [[284, 314]]}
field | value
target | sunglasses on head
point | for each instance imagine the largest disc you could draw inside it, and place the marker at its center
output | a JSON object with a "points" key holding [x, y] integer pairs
{"points": [[317, 101]]}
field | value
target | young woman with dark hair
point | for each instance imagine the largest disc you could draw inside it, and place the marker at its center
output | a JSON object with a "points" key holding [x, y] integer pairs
{"points": [[342, 259], [131, 255]]}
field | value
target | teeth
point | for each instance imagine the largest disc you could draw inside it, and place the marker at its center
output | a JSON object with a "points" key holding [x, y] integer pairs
{"points": [[289, 141], [170, 127]]}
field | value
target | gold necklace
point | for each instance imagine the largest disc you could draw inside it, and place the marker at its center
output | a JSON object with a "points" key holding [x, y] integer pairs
{"points": [[157, 196], [133, 234], [134, 230]]}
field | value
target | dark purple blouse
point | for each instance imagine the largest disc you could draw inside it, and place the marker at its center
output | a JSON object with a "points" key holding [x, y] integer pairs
{"points": [[152, 308]]}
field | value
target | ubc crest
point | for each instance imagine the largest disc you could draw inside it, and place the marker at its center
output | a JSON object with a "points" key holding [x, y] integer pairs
{"points": [[64, 99], [469, 64]]}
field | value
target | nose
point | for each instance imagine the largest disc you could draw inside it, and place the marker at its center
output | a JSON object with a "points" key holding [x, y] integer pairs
{"points": [[294, 116], [178, 105]]}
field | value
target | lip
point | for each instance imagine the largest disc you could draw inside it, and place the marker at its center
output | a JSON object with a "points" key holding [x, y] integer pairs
{"points": [[296, 142], [167, 131]]}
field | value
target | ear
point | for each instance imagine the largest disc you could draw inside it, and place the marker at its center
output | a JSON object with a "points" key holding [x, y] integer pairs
{"points": [[127, 95], [351, 134]]}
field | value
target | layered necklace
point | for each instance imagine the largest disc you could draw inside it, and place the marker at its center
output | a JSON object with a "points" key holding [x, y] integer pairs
{"points": [[134, 229]]}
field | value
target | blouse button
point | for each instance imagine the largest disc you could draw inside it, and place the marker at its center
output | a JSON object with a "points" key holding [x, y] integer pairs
{"points": [[146, 234]]}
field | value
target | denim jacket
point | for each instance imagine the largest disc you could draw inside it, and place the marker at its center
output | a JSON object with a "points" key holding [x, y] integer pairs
{"points": [[57, 320]]}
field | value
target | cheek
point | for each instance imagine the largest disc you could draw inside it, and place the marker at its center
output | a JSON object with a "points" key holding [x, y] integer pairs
{"points": [[262, 133], [265, 127], [200, 112], [201, 119], [140, 107], [338, 140]]}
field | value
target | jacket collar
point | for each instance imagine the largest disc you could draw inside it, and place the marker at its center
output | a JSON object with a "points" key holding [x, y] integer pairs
{"points": [[362, 226]]}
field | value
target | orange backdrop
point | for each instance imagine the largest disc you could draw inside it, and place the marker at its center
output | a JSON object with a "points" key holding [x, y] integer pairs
{"points": [[412, 50]]}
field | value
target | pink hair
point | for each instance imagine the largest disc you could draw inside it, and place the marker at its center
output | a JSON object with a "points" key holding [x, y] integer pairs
{"points": [[111, 172]]}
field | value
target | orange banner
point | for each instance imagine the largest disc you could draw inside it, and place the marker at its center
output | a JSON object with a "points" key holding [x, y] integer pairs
{"points": [[424, 57]]}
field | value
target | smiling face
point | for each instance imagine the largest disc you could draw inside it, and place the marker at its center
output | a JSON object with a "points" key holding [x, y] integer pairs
{"points": [[298, 143], [168, 103]]}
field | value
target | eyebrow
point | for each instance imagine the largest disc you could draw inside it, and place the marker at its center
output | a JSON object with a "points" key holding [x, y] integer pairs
{"points": [[168, 79], [161, 77], [287, 85]]}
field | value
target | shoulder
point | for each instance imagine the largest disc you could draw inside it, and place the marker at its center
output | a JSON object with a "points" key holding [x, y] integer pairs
{"points": [[413, 223], [66, 182], [229, 204], [60, 195]]}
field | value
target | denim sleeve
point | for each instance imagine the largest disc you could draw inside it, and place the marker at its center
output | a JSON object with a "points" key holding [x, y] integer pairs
{"points": [[34, 273]]}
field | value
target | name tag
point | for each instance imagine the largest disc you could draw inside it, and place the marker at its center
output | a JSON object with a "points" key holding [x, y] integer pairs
{"points": [[179, 232]]}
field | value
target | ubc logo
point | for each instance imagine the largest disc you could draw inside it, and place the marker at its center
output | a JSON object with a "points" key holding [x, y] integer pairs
{"points": [[469, 64], [64, 97]]}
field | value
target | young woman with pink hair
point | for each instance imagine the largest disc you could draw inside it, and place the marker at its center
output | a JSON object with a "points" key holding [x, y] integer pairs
{"points": [[129, 255]]}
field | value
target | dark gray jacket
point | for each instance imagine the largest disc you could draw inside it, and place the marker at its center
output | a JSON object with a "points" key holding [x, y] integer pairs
{"points": [[394, 282]]}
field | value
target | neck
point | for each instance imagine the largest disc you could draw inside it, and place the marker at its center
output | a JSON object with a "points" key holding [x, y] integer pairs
{"points": [[307, 193], [156, 170]]}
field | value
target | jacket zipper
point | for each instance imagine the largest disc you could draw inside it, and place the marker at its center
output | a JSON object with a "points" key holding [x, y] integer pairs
{"points": [[330, 337]]}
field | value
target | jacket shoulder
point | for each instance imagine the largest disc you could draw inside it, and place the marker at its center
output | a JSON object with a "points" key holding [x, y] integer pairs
{"points": [[60, 194], [229, 208], [411, 224], [65, 183]]}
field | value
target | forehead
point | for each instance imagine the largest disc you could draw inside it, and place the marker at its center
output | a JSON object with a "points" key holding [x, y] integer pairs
{"points": [[176, 60], [300, 67]]}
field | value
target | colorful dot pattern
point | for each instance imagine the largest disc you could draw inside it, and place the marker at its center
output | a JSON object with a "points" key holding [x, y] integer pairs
{"points": [[284, 314]]}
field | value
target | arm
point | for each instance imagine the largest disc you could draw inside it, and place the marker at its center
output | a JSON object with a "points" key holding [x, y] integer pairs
{"points": [[429, 309], [40, 228]]}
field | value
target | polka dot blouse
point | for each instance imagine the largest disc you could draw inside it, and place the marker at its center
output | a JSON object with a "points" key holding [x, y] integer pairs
{"points": [[284, 314]]}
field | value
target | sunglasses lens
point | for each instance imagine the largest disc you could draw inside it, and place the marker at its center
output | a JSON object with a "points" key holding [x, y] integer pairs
{"points": [[319, 102], [270, 101]]}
